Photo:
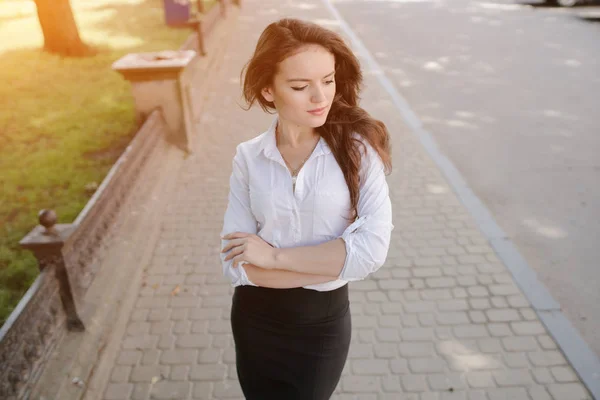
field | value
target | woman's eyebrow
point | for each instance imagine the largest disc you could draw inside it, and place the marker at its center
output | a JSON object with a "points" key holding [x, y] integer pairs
{"points": [[308, 80]]}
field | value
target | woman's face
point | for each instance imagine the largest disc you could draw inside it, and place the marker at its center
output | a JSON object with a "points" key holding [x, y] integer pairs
{"points": [[304, 87]]}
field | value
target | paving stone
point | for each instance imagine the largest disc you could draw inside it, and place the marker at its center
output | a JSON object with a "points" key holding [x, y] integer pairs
{"points": [[203, 390], [514, 377], [546, 358], [118, 391], [470, 331], [129, 357], [386, 350], [516, 360], [166, 390], [446, 381], [371, 367], [150, 356], [228, 390], [179, 373], [508, 394], [192, 341], [208, 372], [564, 374], [426, 365], [360, 384], [480, 379], [139, 342], [141, 391], [520, 343], [179, 356], [452, 318], [503, 315], [120, 374], [414, 383], [539, 393], [146, 373], [569, 391], [528, 328], [453, 305]]}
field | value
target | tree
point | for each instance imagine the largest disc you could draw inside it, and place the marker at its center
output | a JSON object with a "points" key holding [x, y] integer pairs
{"points": [[61, 34]]}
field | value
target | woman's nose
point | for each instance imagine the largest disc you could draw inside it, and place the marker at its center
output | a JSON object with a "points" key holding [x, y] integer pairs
{"points": [[318, 95]]}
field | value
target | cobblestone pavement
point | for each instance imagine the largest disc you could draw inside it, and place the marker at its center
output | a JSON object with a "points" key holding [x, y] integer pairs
{"points": [[443, 319]]}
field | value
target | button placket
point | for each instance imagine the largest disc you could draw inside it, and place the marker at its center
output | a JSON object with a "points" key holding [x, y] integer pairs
{"points": [[295, 223], [299, 184]]}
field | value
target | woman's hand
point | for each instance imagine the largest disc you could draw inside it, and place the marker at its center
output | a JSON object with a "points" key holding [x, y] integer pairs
{"points": [[249, 248]]}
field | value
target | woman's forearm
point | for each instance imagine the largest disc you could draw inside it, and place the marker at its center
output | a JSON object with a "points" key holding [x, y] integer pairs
{"points": [[280, 279], [326, 259]]}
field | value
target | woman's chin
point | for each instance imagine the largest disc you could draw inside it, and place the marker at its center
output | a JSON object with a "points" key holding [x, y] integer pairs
{"points": [[317, 121]]}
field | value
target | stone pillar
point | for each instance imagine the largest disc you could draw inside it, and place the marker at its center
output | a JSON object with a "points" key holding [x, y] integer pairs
{"points": [[162, 80], [46, 241]]}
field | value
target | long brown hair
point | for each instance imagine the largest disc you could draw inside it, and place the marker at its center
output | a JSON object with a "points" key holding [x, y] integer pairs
{"points": [[282, 39]]}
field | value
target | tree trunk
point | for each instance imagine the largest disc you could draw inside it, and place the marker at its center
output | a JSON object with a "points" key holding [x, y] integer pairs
{"points": [[61, 35]]}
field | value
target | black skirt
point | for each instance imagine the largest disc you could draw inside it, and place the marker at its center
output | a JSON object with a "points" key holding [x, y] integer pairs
{"points": [[290, 344]]}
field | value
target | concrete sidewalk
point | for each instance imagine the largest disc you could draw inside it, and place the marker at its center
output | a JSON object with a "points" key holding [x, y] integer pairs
{"points": [[443, 319]]}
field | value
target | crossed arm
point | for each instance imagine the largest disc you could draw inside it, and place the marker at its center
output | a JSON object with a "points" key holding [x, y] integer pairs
{"points": [[285, 268], [281, 279]]}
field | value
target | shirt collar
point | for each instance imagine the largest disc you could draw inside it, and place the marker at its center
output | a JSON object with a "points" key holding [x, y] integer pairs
{"points": [[269, 144]]}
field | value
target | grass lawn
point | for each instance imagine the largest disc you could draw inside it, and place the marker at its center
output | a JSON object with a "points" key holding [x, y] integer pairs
{"points": [[63, 122]]}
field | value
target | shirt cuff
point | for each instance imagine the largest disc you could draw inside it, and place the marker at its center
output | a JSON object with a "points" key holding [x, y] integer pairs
{"points": [[347, 237], [244, 280]]}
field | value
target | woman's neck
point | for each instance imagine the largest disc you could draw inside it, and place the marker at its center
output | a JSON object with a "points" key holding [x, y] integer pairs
{"points": [[292, 135]]}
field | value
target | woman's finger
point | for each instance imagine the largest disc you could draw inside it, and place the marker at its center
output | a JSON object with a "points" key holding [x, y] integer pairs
{"points": [[234, 252], [237, 260], [231, 244], [235, 235]]}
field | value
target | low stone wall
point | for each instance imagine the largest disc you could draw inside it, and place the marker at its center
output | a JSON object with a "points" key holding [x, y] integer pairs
{"points": [[38, 322], [30, 334]]}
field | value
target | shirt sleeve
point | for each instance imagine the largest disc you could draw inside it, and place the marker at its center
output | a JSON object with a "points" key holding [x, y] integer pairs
{"points": [[238, 218], [367, 240]]}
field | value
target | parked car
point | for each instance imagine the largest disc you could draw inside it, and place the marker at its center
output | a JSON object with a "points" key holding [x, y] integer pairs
{"points": [[566, 3]]}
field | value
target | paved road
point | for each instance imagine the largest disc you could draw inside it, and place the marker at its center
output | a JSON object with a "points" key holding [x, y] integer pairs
{"points": [[512, 95], [442, 320]]}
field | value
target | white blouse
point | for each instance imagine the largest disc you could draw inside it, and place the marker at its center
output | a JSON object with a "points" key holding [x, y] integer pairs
{"points": [[261, 201]]}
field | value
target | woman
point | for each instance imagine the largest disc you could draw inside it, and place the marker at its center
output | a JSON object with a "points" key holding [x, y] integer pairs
{"points": [[308, 212]]}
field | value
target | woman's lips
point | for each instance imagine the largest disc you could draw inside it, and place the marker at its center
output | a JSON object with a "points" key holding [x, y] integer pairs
{"points": [[318, 111]]}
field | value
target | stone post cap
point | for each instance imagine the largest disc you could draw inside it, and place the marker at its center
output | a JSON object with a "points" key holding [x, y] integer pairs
{"points": [[48, 233], [161, 64], [48, 219]]}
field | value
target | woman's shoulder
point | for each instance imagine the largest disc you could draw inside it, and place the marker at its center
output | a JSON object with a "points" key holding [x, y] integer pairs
{"points": [[251, 146], [365, 147], [369, 157]]}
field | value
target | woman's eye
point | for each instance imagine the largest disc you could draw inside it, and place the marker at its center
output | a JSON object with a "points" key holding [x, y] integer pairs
{"points": [[329, 82], [298, 89]]}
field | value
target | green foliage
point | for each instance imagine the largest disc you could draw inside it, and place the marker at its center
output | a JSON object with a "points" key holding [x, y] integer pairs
{"points": [[63, 121]]}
